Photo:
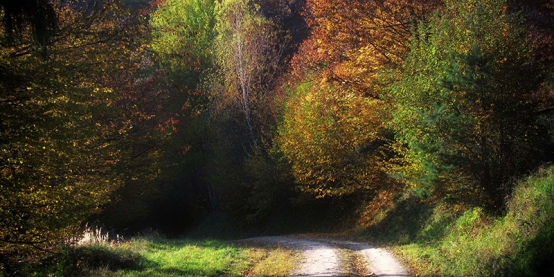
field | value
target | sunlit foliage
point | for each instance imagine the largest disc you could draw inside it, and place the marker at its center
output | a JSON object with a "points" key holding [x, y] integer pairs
{"points": [[182, 36], [247, 53], [331, 138], [359, 39]]}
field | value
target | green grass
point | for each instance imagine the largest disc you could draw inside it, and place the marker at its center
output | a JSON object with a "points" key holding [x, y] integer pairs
{"points": [[186, 258], [473, 243], [155, 256], [162, 257]]}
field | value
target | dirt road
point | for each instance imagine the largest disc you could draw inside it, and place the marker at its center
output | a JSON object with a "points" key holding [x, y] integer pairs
{"points": [[323, 258]]}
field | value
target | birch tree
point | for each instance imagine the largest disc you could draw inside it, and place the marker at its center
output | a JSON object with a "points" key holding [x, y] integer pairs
{"points": [[247, 55]]}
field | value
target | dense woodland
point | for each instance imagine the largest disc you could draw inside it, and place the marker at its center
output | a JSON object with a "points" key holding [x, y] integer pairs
{"points": [[136, 114]]}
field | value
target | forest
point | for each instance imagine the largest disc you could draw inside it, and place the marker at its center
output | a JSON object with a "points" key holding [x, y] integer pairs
{"points": [[405, 122]]}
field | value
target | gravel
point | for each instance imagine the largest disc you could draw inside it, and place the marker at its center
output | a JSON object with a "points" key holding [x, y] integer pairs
{"points": [[322, 259]]}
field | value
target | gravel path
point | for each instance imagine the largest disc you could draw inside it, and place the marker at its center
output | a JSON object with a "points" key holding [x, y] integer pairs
{"points": [[322, 259], [381, 262]]}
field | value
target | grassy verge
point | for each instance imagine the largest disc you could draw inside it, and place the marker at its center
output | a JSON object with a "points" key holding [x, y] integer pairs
{"points": [[272, 262], [444, 239], [155, 256]]}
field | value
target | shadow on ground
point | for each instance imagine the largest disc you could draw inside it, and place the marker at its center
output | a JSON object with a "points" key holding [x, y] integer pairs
{"points": [[403, 223]]}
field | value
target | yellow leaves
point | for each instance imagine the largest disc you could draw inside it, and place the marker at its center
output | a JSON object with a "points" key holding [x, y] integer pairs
{"points": [[103, 90], [60, 121], [308, 98], [323, 128]]}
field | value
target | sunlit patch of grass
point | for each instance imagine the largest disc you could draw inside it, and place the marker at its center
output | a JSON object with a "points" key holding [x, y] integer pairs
{"points": [[425, 259], [163, 257], [206, 258], [276, 262], [102, 254], [155, 256]]}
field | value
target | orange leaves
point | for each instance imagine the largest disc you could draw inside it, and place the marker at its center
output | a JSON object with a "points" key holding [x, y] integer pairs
{"points": [[357, 39], [331, 120], [169, 125]]}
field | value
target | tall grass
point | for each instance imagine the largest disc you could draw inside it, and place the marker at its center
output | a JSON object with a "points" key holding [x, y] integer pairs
{"points": [[520, 243]]}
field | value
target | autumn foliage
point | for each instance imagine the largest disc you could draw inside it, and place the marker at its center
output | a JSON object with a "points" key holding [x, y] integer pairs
{"points": [[80, 128], [117, 113], [326, 135]]}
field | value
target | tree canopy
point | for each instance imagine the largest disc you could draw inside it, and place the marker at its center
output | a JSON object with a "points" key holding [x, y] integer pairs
{"points": [[467, 101]]}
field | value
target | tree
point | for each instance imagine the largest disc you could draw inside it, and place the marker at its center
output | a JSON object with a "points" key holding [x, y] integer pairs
{"points": [[467, 99], [247, 55], [183, 43], [359, 39], [182, 37], [337, 107], [331, 138], [248, 51], [39, 14], [63, 132]]}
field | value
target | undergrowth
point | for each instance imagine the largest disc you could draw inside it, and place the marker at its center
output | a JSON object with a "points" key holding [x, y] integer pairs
{"points": [[444, 239]]}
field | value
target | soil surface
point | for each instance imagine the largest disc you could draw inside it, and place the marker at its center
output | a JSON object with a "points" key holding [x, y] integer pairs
{"points": [[322, 257]]}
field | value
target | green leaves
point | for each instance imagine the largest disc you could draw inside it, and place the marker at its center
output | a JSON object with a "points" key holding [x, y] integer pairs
{"points": [[464, 103], [183, 33]]}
